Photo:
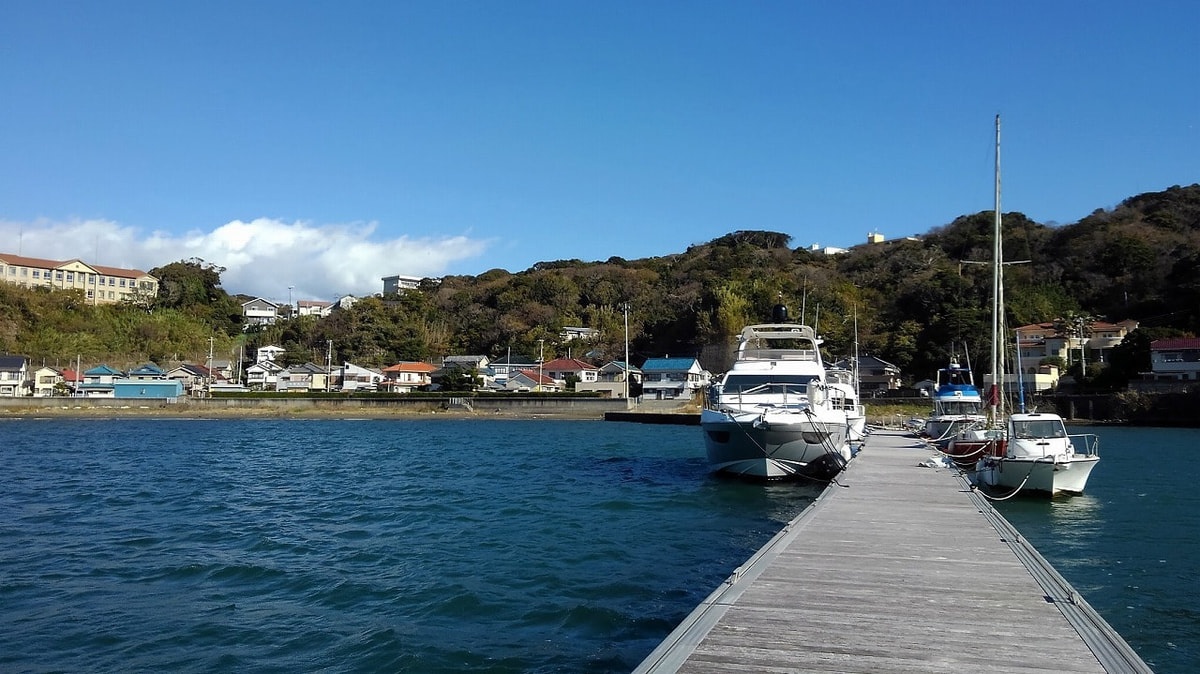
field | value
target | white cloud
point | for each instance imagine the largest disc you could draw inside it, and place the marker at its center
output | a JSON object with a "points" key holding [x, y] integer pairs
{"points": [[261, 257]]}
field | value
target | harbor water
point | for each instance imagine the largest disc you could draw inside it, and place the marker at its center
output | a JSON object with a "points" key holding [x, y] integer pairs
{"points": [[439, 545], [1131, 544], [361, 546]]}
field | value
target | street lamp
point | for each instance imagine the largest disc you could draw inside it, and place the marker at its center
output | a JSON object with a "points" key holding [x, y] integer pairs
{"points": [[291, 312]]}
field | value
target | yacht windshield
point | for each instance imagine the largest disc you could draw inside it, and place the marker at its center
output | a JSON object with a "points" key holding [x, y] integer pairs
{"points": [[1039, 429], [766, 383], [948, 407]]}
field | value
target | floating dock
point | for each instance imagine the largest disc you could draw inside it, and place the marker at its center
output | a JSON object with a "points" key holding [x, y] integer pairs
{"points": [[896, 567]]}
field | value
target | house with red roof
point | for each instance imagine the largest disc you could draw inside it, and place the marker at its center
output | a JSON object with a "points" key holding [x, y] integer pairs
{"points": [[563, 370], [406, 377], [530, 380], [1175, 359]]}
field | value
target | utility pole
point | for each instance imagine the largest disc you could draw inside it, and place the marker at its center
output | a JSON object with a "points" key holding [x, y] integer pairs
{"points": [[540, 359], [626, 354], [208, 392], [329, 367]]}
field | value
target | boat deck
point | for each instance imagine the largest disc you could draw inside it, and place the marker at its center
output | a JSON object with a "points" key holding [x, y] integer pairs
{"points": [[897, 568]]}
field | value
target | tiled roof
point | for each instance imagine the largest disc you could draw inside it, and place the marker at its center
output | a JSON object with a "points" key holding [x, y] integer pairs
{"points": [[1175, 343], [410, 367], [54, 264], [567, 365], [667, 364]]}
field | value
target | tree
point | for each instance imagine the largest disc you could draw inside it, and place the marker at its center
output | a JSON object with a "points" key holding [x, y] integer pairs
{"points": [[194, 286]]}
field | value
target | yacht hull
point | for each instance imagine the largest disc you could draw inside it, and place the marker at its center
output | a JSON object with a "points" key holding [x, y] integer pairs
{"points": [[1042, 475], [775, 446]]}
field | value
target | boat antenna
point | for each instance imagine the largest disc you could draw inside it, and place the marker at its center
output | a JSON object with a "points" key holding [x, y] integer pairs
{"points": [[804, 300], [1020, 379]]}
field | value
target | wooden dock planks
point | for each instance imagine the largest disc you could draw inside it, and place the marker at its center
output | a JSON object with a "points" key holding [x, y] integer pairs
{"points": [[898, 568]]}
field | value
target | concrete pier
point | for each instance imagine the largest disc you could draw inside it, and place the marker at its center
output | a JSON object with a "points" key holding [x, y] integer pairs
{"points": [[897, 567]]}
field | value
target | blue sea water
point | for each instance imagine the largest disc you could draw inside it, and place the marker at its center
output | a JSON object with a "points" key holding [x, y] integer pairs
{"points": [[466, 546], [368, 545], [1131, 543]]}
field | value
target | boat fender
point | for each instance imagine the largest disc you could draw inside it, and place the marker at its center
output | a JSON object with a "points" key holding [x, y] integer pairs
{"points": [[816, 393]]}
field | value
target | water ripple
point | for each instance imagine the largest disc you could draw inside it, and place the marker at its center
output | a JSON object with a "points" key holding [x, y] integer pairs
{"points": [[431, 545]]}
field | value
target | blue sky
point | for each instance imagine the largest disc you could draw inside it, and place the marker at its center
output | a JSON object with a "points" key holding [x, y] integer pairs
{"points": [[324, 145]]}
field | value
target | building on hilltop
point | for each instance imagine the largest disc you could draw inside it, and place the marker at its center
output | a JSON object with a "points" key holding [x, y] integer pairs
{"points": [[571, 333], [313, 308], [99, 284], [827, 250], [259, 311], [394, 285]]}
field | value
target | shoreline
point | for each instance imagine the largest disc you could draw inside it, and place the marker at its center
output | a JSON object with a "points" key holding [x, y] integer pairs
{"points": [[315, 409]]}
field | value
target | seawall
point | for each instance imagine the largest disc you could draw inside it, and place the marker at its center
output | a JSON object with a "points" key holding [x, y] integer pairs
{"points": [[284, 407]]}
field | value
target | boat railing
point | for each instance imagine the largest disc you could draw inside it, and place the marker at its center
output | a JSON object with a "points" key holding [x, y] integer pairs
{"points": [[779, 354], [1088, 442]]}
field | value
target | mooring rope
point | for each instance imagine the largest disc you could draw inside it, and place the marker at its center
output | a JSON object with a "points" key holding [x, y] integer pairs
{"points": [[1032, 464]]}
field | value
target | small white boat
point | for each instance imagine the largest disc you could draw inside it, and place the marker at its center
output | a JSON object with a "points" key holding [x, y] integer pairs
{"points": [[773, 415], [1038, 455]]}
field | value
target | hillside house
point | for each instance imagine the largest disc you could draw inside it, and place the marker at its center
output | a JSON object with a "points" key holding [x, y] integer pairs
{"points": [[670, 378], [268, 353], [259, 311], [313, 308]]}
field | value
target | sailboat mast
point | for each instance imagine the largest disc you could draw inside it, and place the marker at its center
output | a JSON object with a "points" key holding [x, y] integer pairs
{"points": [[997, 289]]}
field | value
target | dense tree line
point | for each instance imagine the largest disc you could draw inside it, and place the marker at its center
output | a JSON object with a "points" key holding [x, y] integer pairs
{"points": [[912, 302]]}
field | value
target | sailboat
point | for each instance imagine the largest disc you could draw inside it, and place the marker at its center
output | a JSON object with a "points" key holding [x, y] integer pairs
{"points": [[1023, 451]]}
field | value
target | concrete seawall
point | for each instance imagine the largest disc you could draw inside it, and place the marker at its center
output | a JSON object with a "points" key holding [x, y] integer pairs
{"points": [[569, 408]]}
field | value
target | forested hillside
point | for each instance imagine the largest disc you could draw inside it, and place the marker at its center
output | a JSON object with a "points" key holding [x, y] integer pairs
{"points": [[909, 301]]}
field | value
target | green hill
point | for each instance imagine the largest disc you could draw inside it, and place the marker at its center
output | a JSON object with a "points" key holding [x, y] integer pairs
{"points": [[911, 301]]}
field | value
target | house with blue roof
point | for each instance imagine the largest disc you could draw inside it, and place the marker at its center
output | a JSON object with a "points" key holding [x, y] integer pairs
{"points": [[668, 378], [98, 382], [147, 371], [144, 381]]}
